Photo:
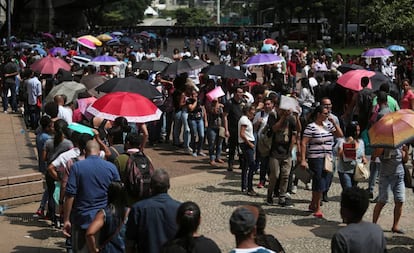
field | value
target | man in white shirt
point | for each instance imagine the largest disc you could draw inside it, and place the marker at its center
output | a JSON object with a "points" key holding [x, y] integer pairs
{"points": [[64, 112]]}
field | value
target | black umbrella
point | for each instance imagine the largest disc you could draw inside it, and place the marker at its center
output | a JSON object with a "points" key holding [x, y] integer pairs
{"points": [[225, 71], [343, 68], [150, 65], [183, 66], [130, 84], [92, 81], [379, 78]]}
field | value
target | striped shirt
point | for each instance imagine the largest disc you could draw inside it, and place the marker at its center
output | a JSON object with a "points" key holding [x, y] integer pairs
{"points": [[321, 139]]}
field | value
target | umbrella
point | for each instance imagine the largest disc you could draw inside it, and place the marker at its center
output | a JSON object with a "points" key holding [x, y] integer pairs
{"points": [[130, 84], [58, 50], [127, 41], [134, 107], [92, 81], [81, 128], [48, 35], [92, 39], [393, 129], [144, 34], [183, 66], [69, 89], [343, 68], [263, 59], [163, 59], [267, 48], [150, 65], [86, 43], [352, 79], [40, 51], [225, 71], [104, 37], [117, 33], [376, 53], [81, 59], [114, 42], [269, 41], [396, 48], [24, 45], [83, 103], [104, 60], [49, 65]]}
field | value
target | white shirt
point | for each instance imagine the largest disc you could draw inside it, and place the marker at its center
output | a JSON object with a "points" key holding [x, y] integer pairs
{"points": [[65, 114], [244, 121], [265, 117]]}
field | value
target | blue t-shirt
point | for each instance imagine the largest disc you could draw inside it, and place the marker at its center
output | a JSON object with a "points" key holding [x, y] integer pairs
{"points": [[88, 182]]}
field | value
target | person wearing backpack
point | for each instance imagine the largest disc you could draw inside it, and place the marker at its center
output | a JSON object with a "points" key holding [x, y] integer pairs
{"points": [[364, 103], [127, 163]]}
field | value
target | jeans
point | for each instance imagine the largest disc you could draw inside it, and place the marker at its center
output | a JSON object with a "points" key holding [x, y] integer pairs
{"points": [[214, 143], [279, 170], [181, 120], [347, 180], [248, 167], [374, 170], [12, 87], [196, 129], [34, 115], [264, 169], [233, 143]]}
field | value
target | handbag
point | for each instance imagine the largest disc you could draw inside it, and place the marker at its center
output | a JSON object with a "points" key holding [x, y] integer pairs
{"points": [[408, 176], [222, 132], [264, 143], [361, 173], [328, 163]]}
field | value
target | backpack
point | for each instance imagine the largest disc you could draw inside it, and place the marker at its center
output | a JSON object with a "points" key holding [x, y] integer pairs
{"points": [[137, 177]]}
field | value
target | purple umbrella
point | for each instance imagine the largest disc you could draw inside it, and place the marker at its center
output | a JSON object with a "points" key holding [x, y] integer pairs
{"points": [[105, 60], [376, 53], [58, 50], [263, 59]]}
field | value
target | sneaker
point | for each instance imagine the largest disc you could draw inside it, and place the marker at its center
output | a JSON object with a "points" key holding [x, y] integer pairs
{"points": [[189, 151], [308, 187], [269, 200], [252, 193], [294, 189], [285, 203], [201, 154], [5, 112], [287, 195], [40, 213], [194, 154], [260, 185]]}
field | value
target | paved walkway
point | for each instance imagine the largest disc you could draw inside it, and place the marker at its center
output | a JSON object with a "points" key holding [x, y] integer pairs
{"points": [[215, 190]]}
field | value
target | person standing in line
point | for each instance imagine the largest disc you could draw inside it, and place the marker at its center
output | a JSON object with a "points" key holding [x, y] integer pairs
{"points": [[280, 160], [247, 145], [86, 194], [231, 115], [391, 177], [34, 99], [358, 236], [10, 71], [152, 221], [317, 142], [187, 238]]}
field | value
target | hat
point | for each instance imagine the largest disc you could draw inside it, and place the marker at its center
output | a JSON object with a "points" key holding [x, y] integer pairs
{"points": [[242, 221]]}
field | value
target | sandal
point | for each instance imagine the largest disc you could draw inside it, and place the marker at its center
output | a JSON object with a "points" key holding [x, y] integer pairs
{"points": [[318, 215]]}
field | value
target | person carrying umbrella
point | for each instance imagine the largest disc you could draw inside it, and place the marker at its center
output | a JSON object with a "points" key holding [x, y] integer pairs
{"points": [[11, 71]]}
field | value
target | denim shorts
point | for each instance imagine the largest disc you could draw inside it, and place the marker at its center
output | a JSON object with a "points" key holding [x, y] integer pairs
{"points": [[320, 179], [395, 183]]}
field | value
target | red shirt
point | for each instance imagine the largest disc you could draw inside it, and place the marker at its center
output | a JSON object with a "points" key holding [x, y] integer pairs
{"points": [[292, 68]]}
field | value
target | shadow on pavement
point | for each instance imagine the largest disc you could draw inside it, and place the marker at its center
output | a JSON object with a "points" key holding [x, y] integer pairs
{"points": [[320, 227], [25, 249]]}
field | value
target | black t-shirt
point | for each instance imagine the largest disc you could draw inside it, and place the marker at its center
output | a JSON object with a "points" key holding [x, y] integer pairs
{"points": [[201, 245], [234, 111]]}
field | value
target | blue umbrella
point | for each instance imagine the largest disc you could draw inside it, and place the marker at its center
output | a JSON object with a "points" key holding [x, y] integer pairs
{"points": [[81, 129], [40, 51], [396, 48]]}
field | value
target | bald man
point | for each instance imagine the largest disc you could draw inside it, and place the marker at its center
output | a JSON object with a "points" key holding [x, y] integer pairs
{"points": [[65, 112], [86, 193]]}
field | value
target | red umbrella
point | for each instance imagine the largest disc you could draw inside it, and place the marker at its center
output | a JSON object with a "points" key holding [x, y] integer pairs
{"points": [[134, 107], [269, 41], [352, 79], [49, 65]]}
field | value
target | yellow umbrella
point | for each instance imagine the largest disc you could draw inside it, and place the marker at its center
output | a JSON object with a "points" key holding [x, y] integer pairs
{"points": [[93, 39], [104, 37]]}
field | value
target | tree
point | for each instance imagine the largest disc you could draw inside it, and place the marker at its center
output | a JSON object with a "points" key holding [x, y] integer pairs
{"points": [[192, 17], [387, 16]]}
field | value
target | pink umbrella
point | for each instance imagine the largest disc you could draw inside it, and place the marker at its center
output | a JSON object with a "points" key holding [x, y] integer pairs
{"points": [[83, 103], [49, 65], [86, 43], [352, 79]]}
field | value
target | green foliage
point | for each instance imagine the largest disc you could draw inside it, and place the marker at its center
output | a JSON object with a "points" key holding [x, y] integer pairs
{"points": [[192, 17], [391, 16]]}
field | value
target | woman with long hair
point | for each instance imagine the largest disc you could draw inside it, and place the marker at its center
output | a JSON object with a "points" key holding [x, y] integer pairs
{"points": [[187, 239], [109, 222], [317, 143]]}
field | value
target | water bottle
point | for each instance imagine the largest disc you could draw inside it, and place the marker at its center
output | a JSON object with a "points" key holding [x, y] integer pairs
{"points": [[3, 209]]}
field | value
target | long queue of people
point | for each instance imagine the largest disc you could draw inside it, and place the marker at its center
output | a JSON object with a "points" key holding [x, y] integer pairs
{"points": [[301, 139]]}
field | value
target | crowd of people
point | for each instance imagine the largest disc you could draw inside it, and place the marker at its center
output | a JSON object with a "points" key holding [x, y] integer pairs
{"points": [[325, 133]]}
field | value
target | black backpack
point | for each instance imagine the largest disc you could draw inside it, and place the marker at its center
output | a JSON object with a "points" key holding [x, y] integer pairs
{"points": [[138, 173]]}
